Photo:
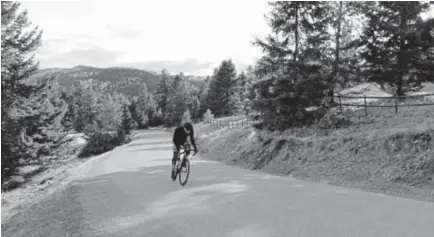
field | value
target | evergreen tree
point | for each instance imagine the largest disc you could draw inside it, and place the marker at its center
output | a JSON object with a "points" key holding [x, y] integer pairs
{"points": [[195, 106], [220, 95], [145, 105], [128, 123], [145, 123], [68, 119], [396, 44], [109, 117], [203, 96], [18, 42], [346, 19], [41, 115], [87, 107], [163, 92], [136, 113], [293, 69], [178, 101], [243, 90]]}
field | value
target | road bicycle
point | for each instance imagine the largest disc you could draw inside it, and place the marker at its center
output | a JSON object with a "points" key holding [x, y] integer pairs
{"points": [[183, 171]]}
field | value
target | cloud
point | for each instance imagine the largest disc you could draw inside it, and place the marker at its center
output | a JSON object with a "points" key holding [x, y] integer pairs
{"points": [[119, 31], [66, 52], [63, 52]]}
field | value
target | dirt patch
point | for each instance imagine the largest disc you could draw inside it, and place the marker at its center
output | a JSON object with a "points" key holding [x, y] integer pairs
{"points": [[380, 156]]}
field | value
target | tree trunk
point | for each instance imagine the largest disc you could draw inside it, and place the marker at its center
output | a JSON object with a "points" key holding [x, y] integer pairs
{"points": [[401, 55], [335, 73]]}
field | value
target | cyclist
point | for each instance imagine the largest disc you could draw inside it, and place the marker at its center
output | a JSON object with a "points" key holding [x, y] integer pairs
{"points": [[179, 139]]}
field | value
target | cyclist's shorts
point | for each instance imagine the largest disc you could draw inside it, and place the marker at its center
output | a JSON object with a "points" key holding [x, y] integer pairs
{"points": [[176, 150]]}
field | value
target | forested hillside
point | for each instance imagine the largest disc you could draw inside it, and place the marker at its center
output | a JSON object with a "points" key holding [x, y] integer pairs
{"points": [[127, 81]]}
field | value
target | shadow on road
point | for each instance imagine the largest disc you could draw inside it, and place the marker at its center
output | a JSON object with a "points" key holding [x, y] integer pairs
{"points": [[168, 142], [168, 148]]}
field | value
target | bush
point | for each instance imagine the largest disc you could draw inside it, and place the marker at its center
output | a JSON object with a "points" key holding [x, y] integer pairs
{"points": [[186, 117], [101, 142], [12, 183], [208, 116], [334, 120]]}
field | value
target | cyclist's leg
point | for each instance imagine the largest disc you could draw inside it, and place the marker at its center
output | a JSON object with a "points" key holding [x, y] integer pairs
{"points": [[187, 152], [176, 149], [174, 158]]}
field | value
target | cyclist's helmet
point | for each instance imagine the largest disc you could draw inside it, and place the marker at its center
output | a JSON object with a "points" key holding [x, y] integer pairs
{"points": [[188, 126]]}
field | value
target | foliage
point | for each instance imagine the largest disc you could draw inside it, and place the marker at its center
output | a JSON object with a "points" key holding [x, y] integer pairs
{"points": [[397, 44]]}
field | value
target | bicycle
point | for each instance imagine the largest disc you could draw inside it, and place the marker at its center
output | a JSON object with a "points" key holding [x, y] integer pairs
{"points": [[186, 167]]}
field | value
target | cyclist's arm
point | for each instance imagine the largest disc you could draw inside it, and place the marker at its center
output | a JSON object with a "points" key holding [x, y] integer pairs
{"points": [[175, 140], [192, 140]]}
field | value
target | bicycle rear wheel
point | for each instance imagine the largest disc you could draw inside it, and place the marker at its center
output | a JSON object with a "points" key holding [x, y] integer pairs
{"points": [[184, 172]]}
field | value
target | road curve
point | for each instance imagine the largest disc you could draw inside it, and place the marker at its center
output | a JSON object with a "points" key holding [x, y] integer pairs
{"points": [[129, 193]]}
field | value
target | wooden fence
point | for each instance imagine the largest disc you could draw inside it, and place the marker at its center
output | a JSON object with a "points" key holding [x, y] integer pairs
{"points": [[249, 121], [232, 123], [396, 103]]}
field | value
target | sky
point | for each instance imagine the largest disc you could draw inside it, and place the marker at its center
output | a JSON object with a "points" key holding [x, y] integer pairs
{"points": [[181, 36], [190, 36]]}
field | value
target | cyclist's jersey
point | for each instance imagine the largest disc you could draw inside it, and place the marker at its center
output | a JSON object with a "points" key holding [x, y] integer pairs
{"points": [[180, 137]]}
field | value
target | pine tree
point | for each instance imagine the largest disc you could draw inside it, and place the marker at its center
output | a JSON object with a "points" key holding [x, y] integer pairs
{"points": [[250, 93], [136, 113], [163, 92], [145, 123], [145, 105], [178, 101], [396, 44], [346, 19], [109, 117], [150, 109], [41, 115], [128, 123], [195, 106], [87, 107], [293, 69], [68, 119], [203, 96], [18, 42], [243, 90], [220, 95]]}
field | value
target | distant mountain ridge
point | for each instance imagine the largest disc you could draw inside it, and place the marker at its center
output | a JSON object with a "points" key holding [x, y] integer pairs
{"points": [[125, 80]]}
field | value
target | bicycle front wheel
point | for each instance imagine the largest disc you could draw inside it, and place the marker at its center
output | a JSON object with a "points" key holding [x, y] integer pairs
{"points": [[184, 172]]}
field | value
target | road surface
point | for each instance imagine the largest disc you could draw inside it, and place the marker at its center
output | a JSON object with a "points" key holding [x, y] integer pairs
{"points": [[129, 193]]}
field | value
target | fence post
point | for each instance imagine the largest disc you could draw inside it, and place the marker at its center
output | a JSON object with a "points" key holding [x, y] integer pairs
{"points": [[366, 109], [396, 104], [340, 103]]}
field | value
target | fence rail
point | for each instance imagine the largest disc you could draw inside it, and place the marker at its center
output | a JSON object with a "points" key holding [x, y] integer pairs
{"points": [[396, 99], [249, 121], [232, 123]]}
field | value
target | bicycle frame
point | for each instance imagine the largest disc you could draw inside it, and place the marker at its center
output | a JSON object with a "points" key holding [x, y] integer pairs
{"points": [[183, 152]]}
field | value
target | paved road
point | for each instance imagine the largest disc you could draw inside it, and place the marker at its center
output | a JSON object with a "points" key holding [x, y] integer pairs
{"points": [[129, 193]]}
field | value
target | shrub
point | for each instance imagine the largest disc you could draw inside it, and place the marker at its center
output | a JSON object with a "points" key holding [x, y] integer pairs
{"points": [[186, 117], [101, 142], [208, 116], [334, 120]]}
